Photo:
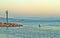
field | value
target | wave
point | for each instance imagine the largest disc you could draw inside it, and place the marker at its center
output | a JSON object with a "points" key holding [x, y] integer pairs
{"points": [[8, 36]]}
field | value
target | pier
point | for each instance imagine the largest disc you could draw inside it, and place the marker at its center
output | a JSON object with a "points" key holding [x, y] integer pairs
{"points": [[7, 24]]}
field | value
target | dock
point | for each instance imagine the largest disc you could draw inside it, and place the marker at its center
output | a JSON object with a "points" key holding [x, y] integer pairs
{"points": [[10, 25], [7, 24]]}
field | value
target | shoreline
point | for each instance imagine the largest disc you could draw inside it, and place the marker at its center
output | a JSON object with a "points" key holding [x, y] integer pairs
{"points": [[3, 24]]}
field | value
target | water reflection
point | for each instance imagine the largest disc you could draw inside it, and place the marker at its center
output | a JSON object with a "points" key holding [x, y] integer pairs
{"points": [[28, 32]]}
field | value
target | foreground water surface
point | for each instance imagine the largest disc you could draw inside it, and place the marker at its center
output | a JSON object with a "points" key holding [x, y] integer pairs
{"points": [[32, 30]]}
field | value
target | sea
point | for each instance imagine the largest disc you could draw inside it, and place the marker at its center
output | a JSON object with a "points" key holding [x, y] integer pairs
{"points": [[32, 30]]}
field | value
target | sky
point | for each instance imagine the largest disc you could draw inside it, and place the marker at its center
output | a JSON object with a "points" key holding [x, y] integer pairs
{"points": [[33, 8]]}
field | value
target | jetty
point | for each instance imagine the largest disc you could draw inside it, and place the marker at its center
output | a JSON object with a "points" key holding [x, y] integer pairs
{"points": [[7, 24]]}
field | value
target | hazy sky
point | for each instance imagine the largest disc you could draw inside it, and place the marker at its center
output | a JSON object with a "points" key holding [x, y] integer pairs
{"points": [[39, 8]]}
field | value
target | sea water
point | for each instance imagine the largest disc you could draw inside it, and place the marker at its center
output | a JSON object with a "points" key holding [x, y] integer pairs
{"points": [[32, 30]]}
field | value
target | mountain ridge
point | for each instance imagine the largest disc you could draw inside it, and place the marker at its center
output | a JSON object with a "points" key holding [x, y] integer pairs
{"points": [[27, 19]]}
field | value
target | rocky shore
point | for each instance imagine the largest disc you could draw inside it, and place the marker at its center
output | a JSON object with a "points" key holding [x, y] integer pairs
{"points": [[9, 25]]}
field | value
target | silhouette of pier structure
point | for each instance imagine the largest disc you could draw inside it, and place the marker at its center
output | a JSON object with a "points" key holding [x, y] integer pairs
{"points": [[7, 24]]}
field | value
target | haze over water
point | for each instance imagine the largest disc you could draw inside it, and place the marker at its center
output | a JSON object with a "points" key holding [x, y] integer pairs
{"points": [[36, 8], [31, 13]]}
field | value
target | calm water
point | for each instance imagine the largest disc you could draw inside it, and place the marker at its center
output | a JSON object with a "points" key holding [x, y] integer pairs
{"points": [[31, 30]]}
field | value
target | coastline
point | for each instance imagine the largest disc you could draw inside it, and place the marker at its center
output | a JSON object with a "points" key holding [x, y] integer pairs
{"points": [[9, 24]]}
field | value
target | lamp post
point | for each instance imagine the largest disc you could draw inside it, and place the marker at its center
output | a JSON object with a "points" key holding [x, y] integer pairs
{"points": [[7, 22], [6, 17]]}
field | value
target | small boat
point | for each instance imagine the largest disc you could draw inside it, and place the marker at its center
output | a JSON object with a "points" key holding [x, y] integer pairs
{"points": [[39, 25], [9, 25]]}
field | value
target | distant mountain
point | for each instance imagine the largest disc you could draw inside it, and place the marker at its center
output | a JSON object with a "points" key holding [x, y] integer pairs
{"points": [[30, 19], [2, 19]]}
